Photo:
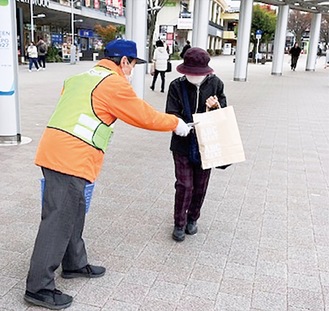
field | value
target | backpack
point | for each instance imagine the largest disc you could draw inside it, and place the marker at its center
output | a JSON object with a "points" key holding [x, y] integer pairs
{"points": [[42, 48]]}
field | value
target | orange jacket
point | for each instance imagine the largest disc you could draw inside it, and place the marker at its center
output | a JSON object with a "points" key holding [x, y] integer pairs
{"points": [[114, 98]]}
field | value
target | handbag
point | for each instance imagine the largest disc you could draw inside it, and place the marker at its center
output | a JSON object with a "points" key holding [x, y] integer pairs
{"points": [[194, 154], [218, 138], [169, 67]]}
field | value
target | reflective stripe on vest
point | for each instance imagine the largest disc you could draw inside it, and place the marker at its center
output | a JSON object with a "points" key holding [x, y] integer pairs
{"points": [[74, 113]]}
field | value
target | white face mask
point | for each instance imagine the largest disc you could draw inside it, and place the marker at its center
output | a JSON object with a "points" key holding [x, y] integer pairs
{"points": [[197, 80]]}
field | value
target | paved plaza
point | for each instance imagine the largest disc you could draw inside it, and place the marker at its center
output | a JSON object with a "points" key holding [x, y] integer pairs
{"points": [[263, 240]]}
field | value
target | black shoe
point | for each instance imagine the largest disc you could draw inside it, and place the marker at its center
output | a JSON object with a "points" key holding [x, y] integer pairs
{"points": [[152, 88], [88, 271], [51, 299], [191, 228], [178, 234]]}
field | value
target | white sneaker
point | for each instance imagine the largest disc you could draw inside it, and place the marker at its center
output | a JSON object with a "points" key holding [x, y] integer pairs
{"points": [[43, 68], [38, 69], [30, 70]]}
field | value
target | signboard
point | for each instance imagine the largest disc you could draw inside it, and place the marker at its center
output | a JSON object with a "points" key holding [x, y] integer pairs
{"points": [[8, 69], [6, 51], [44, 3], [170, 3], [184, 23], [87, 33]]}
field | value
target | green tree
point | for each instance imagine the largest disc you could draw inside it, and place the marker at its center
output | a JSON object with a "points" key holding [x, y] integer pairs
{"points": [[263, 19], [108, 33]]}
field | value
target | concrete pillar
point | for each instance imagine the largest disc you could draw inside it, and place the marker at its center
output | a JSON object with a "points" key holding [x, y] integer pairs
{"points": [[200, 22], [280, 40], [314, 42], [136, 31], [241, 59], [195, 32], [129, 18]]}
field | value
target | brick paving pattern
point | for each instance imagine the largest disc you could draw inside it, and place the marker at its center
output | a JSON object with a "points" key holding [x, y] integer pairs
{"points": [[263, 240]]}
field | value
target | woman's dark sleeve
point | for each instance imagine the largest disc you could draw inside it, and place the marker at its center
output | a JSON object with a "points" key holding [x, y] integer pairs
{"points": [[174, 103], [220, 94]]}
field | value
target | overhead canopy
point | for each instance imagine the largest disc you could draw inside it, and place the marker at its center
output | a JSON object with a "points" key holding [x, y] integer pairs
{"points": [[313, 6]]}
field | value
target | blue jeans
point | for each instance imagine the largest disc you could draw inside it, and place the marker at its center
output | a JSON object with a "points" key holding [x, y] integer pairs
{"points": [[33, 60]]}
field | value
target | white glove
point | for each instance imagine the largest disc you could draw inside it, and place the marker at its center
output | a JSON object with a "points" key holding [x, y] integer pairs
{"points": [[182, 128]]}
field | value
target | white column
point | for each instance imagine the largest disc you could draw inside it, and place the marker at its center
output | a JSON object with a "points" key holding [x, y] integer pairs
{"points": [[129, 18], [314, 42], [241, 59], [280, 40], [9, 99], [202, 12], [139, 33], [195, 31]]}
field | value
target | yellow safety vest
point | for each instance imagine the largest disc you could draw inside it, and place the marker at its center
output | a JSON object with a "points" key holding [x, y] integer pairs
{"points": [[74, 113]]}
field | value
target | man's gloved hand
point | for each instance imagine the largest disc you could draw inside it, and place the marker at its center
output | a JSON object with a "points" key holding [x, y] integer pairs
{"points": [[182, 128]]}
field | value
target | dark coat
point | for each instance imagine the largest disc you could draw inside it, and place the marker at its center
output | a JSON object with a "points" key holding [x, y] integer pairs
{"points": [[211, 86], [295, 51], [185, 48]]}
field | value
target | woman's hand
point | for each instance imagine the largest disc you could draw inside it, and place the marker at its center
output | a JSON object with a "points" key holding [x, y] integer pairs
{"points": [[212, 102]]}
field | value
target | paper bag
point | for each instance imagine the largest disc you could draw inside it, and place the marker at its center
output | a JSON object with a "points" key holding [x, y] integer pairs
{"points": [[218, 137]]}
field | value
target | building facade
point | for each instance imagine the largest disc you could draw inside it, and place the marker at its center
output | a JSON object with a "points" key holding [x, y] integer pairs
{"points": [[52, 21], [175, 24]]}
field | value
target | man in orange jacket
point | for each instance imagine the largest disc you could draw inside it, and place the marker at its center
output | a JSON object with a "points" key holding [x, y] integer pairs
{"points": [[70, 154]]}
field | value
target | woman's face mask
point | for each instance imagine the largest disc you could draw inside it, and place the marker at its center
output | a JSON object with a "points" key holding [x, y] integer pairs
{"points": [[197, 80]]}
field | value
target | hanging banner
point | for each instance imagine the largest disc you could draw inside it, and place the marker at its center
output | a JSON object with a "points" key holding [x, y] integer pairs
{"points": [[8, 68]]}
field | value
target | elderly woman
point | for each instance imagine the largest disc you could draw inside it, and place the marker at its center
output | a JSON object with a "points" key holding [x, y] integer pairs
{"points": [[197, 90]]}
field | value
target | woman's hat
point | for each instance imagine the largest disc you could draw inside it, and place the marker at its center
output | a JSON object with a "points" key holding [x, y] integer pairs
{"points": [[120, 48], [195, 63]]}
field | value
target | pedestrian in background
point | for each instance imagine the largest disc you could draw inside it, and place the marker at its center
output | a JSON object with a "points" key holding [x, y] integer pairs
{"points": [[197, 91], [160, 59], [42, 52], [32, 53], [327, 58], [294, 52], [185, 48], [71, 153]]}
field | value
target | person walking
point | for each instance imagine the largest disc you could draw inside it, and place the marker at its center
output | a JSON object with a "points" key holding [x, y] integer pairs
{"points": [[160, 59], [71, 153], [326, 62], [42, 52], [294, 52], [32, 53], [185, 48], [197, 91]]}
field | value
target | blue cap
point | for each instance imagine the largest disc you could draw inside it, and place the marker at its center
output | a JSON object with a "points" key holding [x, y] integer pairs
{"points": [[120, 48]]}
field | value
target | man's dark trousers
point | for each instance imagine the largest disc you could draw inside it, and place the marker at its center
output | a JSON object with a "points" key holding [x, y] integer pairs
{"points": [[59, 240]]}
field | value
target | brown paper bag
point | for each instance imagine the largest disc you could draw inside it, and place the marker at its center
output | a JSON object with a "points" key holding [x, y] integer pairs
{"points": [[218, 137]]}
